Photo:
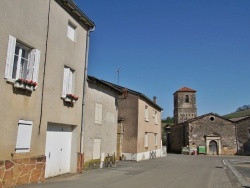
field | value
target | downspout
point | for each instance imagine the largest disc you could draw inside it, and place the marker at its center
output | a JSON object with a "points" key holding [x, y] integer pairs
{"points": [[84, 90], [44, 71], [236, 136]]}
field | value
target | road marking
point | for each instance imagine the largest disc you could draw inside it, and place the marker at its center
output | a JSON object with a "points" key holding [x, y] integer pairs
{"points": [[224, 163]]}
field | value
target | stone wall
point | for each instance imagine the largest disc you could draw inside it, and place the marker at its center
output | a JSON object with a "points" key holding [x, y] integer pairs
{"points": [[211, 124], [243, 134], [177, 138], [22, 171]]}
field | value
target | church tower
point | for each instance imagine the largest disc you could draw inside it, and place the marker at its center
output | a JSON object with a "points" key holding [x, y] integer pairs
{"points": [[184, 105]]}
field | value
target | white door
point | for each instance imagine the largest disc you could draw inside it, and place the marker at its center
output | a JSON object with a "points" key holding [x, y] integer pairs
{"points": [[58, 150]]}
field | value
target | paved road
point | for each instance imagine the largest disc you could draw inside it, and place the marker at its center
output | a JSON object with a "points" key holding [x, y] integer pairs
{"points": [[171, 171]]}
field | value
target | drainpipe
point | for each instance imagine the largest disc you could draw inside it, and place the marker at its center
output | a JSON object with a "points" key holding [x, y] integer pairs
{"points": [[84, 91], [236, 136]]}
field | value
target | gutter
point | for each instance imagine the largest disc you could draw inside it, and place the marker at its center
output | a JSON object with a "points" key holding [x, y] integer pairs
{"points": [[84, 90]]}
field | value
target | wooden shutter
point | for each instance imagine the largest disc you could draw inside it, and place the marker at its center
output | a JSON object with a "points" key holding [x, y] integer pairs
{"points": [[37, 54], [97, 149], [146, 113], [146, 140], [100, 114], [70, 82], [10, 57], [156, 139], [65, 82], [24, 136], [31, 62]]}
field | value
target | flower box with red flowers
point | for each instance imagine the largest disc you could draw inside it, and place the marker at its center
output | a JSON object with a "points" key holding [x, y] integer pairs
{"points": [[71, 98], [29, 85]]}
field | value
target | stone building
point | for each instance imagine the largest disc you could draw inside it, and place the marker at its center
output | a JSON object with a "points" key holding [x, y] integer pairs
{"points": [[210, 131], [184, 105], [243, 135]]}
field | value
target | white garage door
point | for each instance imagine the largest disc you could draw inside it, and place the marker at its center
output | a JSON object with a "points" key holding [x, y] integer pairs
{"points": [[58, 149]]}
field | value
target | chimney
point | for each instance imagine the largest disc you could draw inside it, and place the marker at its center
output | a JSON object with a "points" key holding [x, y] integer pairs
{"points": [[154, 99]]}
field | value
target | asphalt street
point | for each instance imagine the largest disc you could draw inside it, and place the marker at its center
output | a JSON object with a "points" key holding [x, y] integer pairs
{"points": [[171, 171]]}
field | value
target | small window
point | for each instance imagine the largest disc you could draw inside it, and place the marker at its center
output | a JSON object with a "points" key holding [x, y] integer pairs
{"points": [[98, 113], [23, 136], [146, 113], [22, 62], [68, 82], [186, 98], [71, 32], [146, 140], [212, 118], [156, 139], [156, 117]]}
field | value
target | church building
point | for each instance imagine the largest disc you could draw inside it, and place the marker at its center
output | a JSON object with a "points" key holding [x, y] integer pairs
{"points": [[211, 132]]}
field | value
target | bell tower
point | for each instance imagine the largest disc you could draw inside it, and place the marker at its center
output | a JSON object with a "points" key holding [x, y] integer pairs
{"points": [[184, 105]]}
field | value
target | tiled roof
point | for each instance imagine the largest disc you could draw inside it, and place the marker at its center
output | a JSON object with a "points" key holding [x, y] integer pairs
{"points": [[186, 89]]}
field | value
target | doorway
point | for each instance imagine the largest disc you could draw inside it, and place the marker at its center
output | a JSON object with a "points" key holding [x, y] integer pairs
{"points": [[213, 149]]}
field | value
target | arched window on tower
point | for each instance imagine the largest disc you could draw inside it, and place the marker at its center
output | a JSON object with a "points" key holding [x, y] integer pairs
{"points": [[186, 98]]}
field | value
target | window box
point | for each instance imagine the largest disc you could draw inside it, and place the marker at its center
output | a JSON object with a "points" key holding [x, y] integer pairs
{"points": [[71, 98], [19, 85], [29, 87], [25, 84]]}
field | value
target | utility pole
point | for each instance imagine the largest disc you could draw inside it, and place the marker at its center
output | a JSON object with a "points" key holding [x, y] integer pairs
{"points": [[118, 72]]}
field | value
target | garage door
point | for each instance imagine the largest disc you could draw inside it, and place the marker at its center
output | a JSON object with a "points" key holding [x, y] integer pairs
{"points": [[58, 149]]}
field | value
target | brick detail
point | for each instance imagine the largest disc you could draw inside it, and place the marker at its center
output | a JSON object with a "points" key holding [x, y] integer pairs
{"points": [[22, 171]]}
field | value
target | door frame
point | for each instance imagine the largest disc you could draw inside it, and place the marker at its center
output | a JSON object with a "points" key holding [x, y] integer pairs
{"points": [[215, 138]]}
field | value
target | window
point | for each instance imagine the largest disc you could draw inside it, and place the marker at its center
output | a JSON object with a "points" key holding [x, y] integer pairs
{"points": [[186, 98], [146, 140], [156, 139], [22, 61], [156, 117], [146, 113], [68, 82], [23, 136], [71, 32], [98, 113]]}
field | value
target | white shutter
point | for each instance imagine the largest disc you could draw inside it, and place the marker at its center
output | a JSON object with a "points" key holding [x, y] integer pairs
{"points": [[23, 136], [100, 113], [71, 32], [10, 57], [35, 71], [156, 118], [146, 140], [146, 113], [65, 82], [156, 140], [31, 62], [70, 89], [96, 113], [97, 149]]}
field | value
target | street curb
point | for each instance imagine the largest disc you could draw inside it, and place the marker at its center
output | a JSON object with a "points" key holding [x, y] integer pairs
{"points": [[237, 174]]}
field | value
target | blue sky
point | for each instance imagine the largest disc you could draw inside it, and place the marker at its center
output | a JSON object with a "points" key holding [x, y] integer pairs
{"points": [[164, 45]]}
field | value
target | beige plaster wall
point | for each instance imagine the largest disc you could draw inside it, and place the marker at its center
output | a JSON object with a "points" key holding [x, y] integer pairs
{"points": [[27, 21], [149, 126], [107, 131]]}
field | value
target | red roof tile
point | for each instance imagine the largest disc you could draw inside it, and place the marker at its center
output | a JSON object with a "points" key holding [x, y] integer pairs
{"points": [[186, 89]]}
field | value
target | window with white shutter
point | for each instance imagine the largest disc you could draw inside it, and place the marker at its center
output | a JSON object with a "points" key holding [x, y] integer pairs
{"points": [[156, 117], [68, 84], [22, 62], [146, 113], [156, 139], [98, 113], [71, 32], [146, 140], [23, 136]]}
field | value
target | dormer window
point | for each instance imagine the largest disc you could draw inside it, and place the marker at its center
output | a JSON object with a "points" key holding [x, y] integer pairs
{"points": [[186, 98]]}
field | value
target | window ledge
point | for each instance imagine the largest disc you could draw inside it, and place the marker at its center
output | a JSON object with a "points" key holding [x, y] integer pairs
{"points": [[24, 86]]}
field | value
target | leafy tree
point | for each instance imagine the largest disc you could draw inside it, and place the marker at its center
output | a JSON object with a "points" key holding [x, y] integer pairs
{"points": [[244, 107]]}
